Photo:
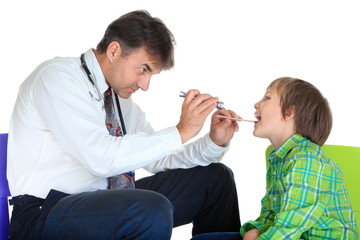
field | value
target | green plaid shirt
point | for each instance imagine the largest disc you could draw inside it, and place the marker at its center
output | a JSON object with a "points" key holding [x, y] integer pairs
{"points": [[305, 196]]}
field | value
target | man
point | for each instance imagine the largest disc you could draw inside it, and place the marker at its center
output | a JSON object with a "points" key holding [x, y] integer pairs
{"points": [[75, 133]]}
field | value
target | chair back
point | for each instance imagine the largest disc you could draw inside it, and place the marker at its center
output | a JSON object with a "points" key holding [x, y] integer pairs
{"points": [[348, 159], [4, 189]]}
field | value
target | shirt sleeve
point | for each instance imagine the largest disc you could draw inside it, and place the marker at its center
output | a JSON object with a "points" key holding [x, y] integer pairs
{"points": [[264, 221], [201, 152], [309, 184]]}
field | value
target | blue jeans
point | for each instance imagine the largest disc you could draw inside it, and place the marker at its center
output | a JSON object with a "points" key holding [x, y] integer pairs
{"points": [[218, 236], [205, 196], [103, 214], [110, 214]]}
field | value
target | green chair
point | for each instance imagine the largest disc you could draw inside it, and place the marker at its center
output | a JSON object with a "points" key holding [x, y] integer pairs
{"points": [[348, 159]]}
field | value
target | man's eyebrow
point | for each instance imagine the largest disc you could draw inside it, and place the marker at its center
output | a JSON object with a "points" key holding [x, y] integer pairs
{"points": [[147, 67]]}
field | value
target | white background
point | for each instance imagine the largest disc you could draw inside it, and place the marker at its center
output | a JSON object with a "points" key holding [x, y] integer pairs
{"points": [[230, 49]]}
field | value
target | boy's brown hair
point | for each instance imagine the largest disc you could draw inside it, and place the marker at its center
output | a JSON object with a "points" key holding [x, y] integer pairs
{"points": [[313, 118]]}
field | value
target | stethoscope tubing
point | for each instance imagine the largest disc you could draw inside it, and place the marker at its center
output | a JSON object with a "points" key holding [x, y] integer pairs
{"points": [[100, 98]]}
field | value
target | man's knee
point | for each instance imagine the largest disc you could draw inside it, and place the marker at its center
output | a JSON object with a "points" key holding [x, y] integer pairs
{"points": [[220, 171], [157, 206], [116, 214], [154, 216]]}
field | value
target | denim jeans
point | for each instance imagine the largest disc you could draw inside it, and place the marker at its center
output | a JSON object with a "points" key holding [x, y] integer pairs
{"points": [[205, 196]]}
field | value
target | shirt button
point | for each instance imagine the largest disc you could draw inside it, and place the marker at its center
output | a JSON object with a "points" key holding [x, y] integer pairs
{"points": [[305, 184], [274, 198]]}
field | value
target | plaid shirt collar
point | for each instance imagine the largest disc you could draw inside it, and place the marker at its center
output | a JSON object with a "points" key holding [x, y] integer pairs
{"points": [[282, 151]]}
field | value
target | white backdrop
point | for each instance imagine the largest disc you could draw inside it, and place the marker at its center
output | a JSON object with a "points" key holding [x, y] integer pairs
{"points": [[231, 49]]}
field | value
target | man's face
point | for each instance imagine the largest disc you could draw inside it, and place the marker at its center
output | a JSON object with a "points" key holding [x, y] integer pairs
{"points": [[129, 73]]}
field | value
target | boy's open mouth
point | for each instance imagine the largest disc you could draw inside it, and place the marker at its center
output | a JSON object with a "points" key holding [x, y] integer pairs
{"points": [[257, 116]]}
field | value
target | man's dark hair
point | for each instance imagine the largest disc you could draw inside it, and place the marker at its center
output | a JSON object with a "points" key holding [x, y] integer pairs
{"points": [[139, 29]]}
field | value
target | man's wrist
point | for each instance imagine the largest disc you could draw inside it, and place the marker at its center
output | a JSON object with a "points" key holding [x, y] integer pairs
{"points": [[184, 137], [218, 143]]}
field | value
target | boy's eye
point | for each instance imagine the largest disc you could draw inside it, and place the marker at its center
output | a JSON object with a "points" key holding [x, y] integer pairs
{"points": [[266, 98], [142, 70]]}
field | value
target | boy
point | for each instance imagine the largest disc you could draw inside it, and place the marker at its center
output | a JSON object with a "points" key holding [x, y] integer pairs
{"points": [[305, 194]]}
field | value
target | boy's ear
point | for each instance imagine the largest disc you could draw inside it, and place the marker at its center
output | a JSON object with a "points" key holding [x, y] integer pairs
{"points": [[290, 113]]}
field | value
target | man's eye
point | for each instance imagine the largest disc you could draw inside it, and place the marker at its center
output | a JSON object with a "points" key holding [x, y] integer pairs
{"points": [[142, 70]]}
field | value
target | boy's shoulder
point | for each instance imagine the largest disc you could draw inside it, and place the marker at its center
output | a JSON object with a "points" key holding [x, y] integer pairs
{"points": [[306, 151], [299, 145], [306, 146]]}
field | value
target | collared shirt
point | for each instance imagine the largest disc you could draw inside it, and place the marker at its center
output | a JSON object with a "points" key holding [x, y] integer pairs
{"points": [[58, 138], [305, 196]]}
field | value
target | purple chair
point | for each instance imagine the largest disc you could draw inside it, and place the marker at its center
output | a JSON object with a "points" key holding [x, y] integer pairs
{"points": [[4, 190]]}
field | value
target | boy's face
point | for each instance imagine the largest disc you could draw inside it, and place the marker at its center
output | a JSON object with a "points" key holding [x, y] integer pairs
{"points": [[271, 123]]}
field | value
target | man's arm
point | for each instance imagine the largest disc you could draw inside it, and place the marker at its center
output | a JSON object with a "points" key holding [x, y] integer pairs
{"points": [[208, 149], [78, 125]]}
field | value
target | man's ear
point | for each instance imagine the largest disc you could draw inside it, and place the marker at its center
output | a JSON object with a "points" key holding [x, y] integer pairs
{"points": [[290, 113], [113, 51]]}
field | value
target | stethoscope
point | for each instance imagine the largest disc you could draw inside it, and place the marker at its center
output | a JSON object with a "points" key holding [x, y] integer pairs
{"points": [[100, 96]]}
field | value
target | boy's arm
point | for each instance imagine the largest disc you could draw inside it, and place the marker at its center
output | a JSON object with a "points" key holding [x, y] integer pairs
{"points": [[309, 185], [264, 221], [253, 234]]}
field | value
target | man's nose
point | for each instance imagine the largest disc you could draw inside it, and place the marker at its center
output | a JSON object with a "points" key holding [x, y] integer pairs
{"points": [[144, 83]]}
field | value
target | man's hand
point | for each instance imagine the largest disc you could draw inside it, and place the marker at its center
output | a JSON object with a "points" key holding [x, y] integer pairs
{"points": [[195, 109], [252, 234], [222, 130]]}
